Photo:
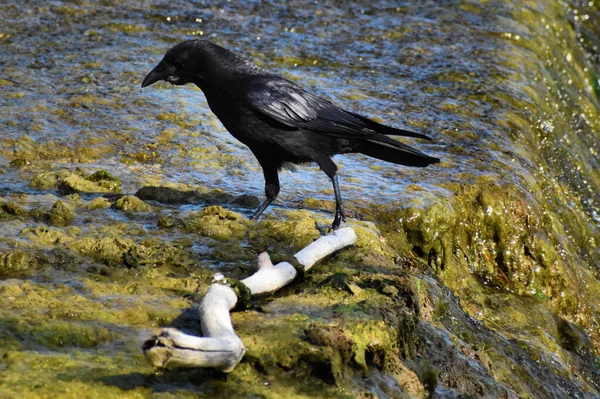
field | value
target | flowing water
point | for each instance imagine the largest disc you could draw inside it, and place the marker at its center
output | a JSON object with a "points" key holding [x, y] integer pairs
{"points": [[509, 91]]}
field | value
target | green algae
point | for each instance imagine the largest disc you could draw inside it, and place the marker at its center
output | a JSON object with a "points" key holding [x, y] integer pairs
{"points": [[26, 151], [131, 203], [99, 203], [48, 235], [103, 177], [76, 181], [61, 215], [10, 210], [218, 223], [507, 221], [297, 231], [100, 181], [17, 263]]}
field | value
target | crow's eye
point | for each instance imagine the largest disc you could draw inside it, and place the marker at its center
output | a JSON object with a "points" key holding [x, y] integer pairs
{"points": [[178, 64]]}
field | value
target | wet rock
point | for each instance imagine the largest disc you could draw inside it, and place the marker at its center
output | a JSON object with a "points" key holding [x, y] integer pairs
{"points": [[99, 203], [165, 195], [61, 215], [501, 237], [17, 263], [60, 334], [338, 350], [131, 203], [246, 201], [46, 235], [276, 235], [68, 183], [170, 195], [47, 180], [572, 338], [9, 210], [312, 203], [19, 162], [106, 180], [218, 223], [74, 184], [106, 249], [165, 222]]}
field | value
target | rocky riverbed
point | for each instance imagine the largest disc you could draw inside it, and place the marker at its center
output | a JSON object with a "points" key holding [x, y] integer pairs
{"points": [[476, 277]]}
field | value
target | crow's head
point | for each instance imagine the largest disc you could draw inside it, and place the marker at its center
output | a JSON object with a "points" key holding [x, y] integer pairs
{"points": [[186, 62]]}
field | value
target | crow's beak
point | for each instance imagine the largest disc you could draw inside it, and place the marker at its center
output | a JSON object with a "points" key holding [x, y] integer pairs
{"points": [[158, 73]]}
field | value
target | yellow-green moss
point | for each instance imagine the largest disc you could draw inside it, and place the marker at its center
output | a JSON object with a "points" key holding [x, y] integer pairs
{"points": [[61, 215], [218, 223], [131, 203], [98, 203]]}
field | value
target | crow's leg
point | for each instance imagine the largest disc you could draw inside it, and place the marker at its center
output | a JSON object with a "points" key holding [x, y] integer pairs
{"points": [[339, 205], [271, 189], [330, 169]]}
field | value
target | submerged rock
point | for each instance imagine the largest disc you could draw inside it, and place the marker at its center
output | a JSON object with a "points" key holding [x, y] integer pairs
{"points": [[61, 215], [477, 277], [131, 203]]}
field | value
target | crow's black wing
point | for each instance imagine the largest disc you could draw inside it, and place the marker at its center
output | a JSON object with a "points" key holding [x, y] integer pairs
{"points": [[287, 103]]}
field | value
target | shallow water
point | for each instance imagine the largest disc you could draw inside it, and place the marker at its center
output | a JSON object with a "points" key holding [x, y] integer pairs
{"points": [[509, 93]]}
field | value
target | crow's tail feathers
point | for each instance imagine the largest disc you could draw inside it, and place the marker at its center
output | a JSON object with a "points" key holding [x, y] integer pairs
{"points": [[387, 130], [396, 152]]}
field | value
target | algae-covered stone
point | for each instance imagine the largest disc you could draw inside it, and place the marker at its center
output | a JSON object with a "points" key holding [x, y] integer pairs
{"points": [[106, 180], [61, 215], [165, 195], [14, 263], [98, 182], [46, 235], [165, 222], [19, 162], [312, 203], [8, 210], [58, 334], [246, 201], [218, 223], [106, 249], [45, 180], [131, 203], [370, 244], [293, 234], [74, 183], [98, 203]]}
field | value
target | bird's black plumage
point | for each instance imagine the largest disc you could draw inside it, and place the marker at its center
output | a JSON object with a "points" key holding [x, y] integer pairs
{"points": [[278, 120]]}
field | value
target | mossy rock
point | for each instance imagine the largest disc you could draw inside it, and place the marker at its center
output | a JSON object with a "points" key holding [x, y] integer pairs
{"points": [[46, 180], [131, 203], [102, 175], [106, 249], [165, 222], [74, 183], [46, 235], [165, 195], [98, 182], [311, 203], [98, 203], [9, 210], [15, 264], [293, 234], [61, 215], [59, 334], [218, 223], [19, 162]]}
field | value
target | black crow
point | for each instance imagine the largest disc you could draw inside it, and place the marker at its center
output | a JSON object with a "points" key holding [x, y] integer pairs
{"points": [[279, 121]]}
